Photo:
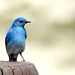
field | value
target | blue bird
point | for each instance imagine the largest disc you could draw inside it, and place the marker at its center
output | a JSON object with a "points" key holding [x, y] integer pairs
{"points": [[15, 39]]}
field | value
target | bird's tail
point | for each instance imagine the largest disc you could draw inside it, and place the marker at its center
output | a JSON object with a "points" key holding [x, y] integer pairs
{"points": [[12, 57]]}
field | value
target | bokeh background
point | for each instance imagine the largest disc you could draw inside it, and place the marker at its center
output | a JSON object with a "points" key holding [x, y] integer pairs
{"points": [[51, 34]]}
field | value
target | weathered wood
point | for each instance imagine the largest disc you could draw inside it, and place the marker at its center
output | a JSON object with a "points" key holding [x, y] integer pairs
{"points": [[17, 68]]}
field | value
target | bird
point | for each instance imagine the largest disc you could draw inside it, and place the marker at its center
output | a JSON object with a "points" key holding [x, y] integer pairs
{"points": [[15, 39]]}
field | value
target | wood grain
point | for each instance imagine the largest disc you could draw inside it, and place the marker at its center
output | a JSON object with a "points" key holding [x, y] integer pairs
{"points": [[17, 68]]}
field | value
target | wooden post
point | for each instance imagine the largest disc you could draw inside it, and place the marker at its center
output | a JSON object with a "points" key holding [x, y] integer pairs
{"points": [[17, 68]]}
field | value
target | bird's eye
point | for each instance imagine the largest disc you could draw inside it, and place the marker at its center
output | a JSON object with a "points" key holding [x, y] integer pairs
{"points": [[21, 21]]}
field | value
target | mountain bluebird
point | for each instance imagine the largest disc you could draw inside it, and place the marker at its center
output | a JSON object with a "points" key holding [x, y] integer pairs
{"points": [[16, 38]]}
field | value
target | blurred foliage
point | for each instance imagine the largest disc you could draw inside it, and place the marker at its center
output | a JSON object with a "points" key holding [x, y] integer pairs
{"points": [[64, 26], [59, 31]]}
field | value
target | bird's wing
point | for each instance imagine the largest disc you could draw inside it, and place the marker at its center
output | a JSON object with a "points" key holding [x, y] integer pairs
{"points": [[25, 34], [8, 37]]}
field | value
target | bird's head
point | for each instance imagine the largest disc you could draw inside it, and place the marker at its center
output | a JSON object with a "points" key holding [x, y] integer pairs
{"points": [[20, 22]]}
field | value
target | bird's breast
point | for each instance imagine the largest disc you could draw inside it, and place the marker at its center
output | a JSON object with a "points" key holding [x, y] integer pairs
{"points": [[18, 37]]}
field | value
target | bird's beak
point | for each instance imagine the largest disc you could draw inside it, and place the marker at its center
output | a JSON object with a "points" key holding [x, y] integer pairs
{"points": [[28, 22]]}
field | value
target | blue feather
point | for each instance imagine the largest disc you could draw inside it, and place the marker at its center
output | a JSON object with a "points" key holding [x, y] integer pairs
{"points": [[15, 39]]}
